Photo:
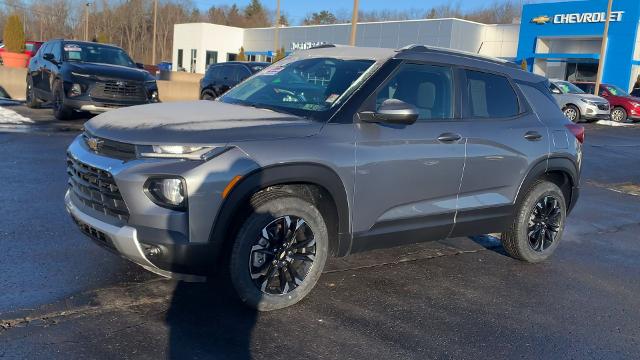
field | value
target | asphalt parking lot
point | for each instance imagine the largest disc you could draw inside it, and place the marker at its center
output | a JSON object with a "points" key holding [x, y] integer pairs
{"points": [[64, 297]]}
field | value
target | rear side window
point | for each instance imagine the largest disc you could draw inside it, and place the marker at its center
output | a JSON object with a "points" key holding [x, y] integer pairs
{"points": [[490, 96]]}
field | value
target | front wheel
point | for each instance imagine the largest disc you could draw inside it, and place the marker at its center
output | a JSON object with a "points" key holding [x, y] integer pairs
{"points": [[60, 110], [538, 225], [572, 113], [208, 95], [619, 114], [279, 253]]}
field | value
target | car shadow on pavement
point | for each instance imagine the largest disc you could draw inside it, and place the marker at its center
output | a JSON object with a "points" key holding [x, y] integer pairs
{"points": [[489, 242], [207, 321]]}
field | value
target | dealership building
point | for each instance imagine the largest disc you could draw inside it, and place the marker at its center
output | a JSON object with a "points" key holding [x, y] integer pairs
{"points": [[557, 39]]}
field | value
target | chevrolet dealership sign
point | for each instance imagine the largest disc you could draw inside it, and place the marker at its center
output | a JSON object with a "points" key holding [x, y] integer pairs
{"points": [[579, 18]]}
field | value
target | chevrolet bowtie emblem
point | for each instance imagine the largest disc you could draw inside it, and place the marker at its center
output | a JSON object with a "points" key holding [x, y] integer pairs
{"points": [[541, 20], [94, 143]]}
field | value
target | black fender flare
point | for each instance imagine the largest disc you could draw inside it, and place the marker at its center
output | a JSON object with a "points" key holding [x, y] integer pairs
{"points": [[259, 179], [557, 164]]}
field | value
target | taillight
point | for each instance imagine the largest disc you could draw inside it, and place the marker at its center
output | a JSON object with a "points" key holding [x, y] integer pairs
{"points": [[577, 131]]}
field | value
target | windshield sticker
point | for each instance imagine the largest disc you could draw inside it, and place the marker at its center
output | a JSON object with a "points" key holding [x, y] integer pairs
{"points": [[613, 91], [72, 47], [331, 98], [272, 70]]}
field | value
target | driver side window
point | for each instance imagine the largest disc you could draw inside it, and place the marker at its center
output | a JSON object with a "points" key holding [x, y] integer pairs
{"points": [[429, 88]]}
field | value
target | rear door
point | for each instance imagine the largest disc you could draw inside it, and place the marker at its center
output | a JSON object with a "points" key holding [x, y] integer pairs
{"points": [[38, 67], [407, 177], [505, 139]]}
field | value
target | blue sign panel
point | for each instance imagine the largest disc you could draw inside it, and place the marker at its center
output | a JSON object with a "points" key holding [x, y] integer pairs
{"points": [[583, 19]]}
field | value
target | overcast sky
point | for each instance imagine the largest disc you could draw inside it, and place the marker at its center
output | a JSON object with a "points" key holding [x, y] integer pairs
{"points": [[296, 10]]}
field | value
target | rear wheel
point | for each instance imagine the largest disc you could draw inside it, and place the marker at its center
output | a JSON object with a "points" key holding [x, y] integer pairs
{"points": [[619, 114], [60, 110], [279, 253], [572, 113], [538, 225], [31, 100]]}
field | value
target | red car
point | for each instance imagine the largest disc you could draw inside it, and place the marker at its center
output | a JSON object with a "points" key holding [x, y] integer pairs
{"points": [[623, 106]]}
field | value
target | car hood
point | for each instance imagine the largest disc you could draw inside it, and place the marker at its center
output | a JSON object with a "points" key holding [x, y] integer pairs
{"points": [[197, 123], [591, 97], [108, 71]]}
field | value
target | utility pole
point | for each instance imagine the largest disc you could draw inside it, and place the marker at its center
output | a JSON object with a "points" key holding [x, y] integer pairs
{"points": [[275, 32], [155, 20], [86, 22], [354, 23], [603, 49]]}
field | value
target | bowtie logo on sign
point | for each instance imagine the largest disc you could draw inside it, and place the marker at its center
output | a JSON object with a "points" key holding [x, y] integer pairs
{"points": [[578, 18]]}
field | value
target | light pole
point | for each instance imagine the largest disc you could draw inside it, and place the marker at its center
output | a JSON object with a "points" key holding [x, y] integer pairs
{"points": [[603, 49], [275, 32], [354, 23], [86, 22], [155, 20]]}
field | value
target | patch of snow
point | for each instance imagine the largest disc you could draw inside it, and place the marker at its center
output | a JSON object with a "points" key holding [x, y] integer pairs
{"points": [[613, 123], [8, 116]]}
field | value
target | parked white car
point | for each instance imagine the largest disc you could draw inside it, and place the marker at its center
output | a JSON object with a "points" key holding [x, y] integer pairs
{"points": [[576, 104]]}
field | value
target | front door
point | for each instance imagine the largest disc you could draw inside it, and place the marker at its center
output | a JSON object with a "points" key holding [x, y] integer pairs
{"points": [[407, 177]]}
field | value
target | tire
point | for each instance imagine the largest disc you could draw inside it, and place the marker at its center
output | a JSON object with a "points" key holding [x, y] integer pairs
{"points": [[249, 256], [572, 113], [60, 110], [517, 241], [619, 114], [208, 95], [31, 100]]}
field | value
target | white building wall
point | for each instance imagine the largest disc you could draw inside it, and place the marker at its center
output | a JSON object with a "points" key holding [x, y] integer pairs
{"points": [[490, 40], [205, 37]]}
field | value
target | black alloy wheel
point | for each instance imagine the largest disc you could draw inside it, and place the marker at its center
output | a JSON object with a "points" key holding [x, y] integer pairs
{"points": [[282, 256], [544, 223]]}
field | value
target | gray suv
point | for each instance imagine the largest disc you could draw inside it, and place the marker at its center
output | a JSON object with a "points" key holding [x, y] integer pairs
{"points": [[329, 152]]}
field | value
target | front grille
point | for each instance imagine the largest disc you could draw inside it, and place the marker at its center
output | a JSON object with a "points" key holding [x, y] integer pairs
{"points": [[96, 189], [117, 89], [603, 106], [94, 233], [111, 148]]}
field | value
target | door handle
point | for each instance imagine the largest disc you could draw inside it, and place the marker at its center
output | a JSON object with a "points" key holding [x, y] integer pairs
{"points": [[532, 136], [449, 137]]}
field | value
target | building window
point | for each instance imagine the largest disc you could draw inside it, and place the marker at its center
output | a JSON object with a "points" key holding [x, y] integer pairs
{"points": [[211, 57], [194, 53], [180, 54], [232, 57]]}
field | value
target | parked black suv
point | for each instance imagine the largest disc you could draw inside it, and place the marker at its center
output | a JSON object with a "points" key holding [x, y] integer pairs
{"points": [[221, 77], [86, 76]]}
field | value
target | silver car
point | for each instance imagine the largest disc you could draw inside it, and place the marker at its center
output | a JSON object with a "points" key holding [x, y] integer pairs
{"points": [[576, 104], [328, 152]]}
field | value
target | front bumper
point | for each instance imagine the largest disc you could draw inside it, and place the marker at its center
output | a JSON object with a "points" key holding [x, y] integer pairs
{"points": [[123, 240], [593, 112], [98, 106]]}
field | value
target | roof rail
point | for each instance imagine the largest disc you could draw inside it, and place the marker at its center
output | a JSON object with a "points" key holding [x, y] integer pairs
{"points": [[435, 49], [323, 46]]}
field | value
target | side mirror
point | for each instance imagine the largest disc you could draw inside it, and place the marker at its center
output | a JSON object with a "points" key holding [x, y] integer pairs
{"points": [[556, 91], [392, 111], [49, 57], [140, 65]]}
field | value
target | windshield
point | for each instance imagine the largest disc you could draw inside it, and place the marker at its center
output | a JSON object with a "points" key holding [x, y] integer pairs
{"points": [[96, 53], [616, 91], [568, 88], [303, 87]]}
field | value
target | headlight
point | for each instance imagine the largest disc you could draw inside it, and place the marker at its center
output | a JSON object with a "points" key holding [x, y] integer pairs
{"points": [[635, 104], [154, 96], [80, 75], [169, 192], [590, 102], [180, 151]]}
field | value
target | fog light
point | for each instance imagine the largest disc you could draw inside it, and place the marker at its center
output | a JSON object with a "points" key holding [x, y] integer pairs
{"points": [[75, 90], [167, 192], [154, 96]]}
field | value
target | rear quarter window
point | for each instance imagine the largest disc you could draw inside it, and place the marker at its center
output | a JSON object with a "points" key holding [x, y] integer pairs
{"points": [[490, 96], [542, 103]]}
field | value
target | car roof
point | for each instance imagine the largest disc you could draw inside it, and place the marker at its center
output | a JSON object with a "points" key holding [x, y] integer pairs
{"points": [[420, 53], [249, 63]]}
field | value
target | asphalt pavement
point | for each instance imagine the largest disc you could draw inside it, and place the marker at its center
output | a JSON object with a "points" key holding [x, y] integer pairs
{"points": [[63, 297]]}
